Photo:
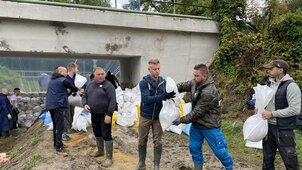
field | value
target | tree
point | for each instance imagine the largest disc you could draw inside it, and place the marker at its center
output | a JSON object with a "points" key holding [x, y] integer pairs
{"points": [[103, 3]]}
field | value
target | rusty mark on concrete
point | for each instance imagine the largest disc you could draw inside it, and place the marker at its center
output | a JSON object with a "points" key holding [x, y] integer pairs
{"points": [[4, 45], [59, 27], [67, 50]]}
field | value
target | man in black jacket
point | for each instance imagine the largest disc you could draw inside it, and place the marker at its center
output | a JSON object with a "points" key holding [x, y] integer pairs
{"points": [[57, 103], [99, 98]]}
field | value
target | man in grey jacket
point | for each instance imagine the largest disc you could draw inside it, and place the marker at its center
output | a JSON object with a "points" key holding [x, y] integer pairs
{"points": [[281, 113], [99, 98]]}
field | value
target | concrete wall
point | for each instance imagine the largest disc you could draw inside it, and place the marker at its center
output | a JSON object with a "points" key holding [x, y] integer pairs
{"points": [[132, 38]]}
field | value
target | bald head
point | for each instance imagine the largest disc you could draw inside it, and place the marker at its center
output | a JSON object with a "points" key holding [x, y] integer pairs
{"points": [[61, 70], [5, 90]]}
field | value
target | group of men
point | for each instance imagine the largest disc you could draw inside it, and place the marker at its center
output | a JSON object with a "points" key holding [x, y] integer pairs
{"points": [[99, 99], [8, 111]]}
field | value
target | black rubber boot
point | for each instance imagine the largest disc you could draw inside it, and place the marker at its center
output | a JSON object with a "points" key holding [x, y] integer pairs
{"points": [[142, 152], [157, 156], [100, 147], [109, 150]]}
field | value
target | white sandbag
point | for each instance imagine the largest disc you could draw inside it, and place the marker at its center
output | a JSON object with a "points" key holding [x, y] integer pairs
{"points": [[127, 115], [81, 124], [50, 126], [81, 119], [255, 127], [75, 100], [251, 144], [176, 129], [127, 95], [171, 86], [79, 80], [168, 114]]}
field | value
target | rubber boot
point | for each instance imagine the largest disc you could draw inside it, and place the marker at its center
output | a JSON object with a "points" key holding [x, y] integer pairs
{"points": [[198, 166], [142, 152], [5, 134], [100, 147], [109, 150], [157, 156]]}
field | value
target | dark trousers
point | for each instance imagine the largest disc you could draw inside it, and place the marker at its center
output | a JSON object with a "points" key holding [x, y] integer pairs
{"points": [[100, 128], [68, 117], [15, 117], [57, 116], [284, 141]]}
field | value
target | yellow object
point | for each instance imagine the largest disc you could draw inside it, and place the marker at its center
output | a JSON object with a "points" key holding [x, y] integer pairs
{"points": [[114, 118], [138, 115], [9, 116]]}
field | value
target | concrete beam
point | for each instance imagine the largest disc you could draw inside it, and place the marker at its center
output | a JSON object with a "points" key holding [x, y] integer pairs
{"points": [[39, 12]]}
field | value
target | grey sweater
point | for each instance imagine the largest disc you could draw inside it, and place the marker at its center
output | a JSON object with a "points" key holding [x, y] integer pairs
{"points": [[100, 97]]}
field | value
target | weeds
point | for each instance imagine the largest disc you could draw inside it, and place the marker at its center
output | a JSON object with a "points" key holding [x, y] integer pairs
{"points": [[34, 161]]}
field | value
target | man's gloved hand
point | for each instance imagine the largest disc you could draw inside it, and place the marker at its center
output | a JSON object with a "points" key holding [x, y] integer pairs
{"points": [[176, 122], [9, 116], [169, 95]]}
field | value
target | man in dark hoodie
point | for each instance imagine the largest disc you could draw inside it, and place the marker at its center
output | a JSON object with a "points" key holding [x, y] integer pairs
{"points": [[153, 92], [205, 118], [99, 98], [57, 103]]}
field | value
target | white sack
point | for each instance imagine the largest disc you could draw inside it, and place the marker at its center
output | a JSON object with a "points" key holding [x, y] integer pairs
{"points": [[255, 127], [251, 144], [81, 119], [79, 80], [75, 100], [168, 114], [171, 86]]}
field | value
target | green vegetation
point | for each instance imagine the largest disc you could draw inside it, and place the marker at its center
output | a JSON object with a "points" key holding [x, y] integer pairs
{"points": [[18, 150], [12, 79], [251, 156], [103, 3], [34, 161]]}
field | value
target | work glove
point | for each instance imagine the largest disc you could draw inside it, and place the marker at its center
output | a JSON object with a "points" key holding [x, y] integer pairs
{"points": [[9, 116], [169, 95], [176, 122]]}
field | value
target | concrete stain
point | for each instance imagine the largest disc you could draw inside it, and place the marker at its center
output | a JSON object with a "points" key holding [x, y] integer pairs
{"points": [[59, 27], [4, 45], [67, 49], [113, 47]]}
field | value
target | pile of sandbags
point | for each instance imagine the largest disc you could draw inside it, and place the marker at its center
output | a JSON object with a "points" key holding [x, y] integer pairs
{"points": [[127, 101], [3, 158]]}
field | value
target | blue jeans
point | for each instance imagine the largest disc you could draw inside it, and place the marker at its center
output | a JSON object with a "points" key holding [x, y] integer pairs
{"points": [[215, 140]]}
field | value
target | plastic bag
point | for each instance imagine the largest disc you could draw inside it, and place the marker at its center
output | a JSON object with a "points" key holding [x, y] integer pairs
{"points": [[75, 100], [255, 127], [81, 119], [79, 80], [171, 86], [46, 118], [168, 114]]}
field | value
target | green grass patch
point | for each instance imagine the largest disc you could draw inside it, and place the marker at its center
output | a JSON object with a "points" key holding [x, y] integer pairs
{"points": [[34, 161], [16, 151], [251, 156]]}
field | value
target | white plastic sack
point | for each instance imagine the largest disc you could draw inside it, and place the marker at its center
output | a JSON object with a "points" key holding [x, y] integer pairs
{"points": [[75, 100], [171, 86], [79, 80], [176, 129], [81, 119], [127, 116], [251, 144], [168, 114], [50, 126], [255, 127]]}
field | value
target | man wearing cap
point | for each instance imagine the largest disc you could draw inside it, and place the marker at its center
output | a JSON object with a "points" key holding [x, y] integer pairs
{"points": [[281, 113]]}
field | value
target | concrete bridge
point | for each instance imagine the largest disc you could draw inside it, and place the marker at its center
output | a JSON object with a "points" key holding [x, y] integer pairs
{"points": [[44, 29]]}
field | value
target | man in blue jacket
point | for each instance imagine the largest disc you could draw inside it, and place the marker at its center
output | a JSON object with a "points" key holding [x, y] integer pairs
{"points": [[153, 92], [6, 111], [57, 103]]}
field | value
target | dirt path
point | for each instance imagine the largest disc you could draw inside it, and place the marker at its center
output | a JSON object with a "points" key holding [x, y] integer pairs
{"points": [[175, 153]]}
